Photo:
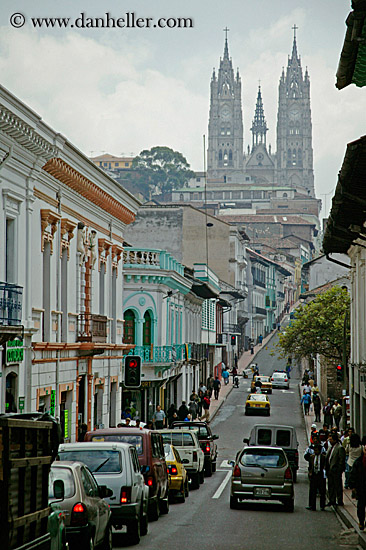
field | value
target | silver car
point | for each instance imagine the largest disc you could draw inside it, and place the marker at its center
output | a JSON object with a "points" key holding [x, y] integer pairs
{"points": [[280, 380], [262, 473]]}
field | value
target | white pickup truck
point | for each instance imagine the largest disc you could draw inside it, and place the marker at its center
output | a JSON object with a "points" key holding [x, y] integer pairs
{"points": [[190, 452]]}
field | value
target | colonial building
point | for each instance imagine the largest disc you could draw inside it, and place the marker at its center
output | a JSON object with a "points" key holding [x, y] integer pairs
{"points": [[61, 235]]}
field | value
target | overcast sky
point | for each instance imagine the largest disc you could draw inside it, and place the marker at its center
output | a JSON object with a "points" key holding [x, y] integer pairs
{"points": [[125, 90]]}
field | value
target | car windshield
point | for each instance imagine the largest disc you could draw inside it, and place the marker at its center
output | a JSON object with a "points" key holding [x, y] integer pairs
{"points": [[94, 459], [263, 458], [279, 375], [262, 378], [257, 397], [65, 475], [135, 440], [169, 455], [202, 430]]}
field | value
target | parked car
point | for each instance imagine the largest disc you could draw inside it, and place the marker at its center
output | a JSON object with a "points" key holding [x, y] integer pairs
{"points": [[280, 380], [207, 441], [116, 465], [266, 383], [187, 444], [87, 515], [277, 435], [178, 477], [150, 452], [257, 403], [262, 473]]}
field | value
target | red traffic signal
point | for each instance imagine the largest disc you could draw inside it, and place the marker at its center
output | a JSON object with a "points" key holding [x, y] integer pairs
{"points": [[339, 373], [233, 340], [132, 378]]}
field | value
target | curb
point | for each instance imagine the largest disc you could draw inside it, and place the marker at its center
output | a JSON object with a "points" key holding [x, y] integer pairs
{"points": [[339, 511]]}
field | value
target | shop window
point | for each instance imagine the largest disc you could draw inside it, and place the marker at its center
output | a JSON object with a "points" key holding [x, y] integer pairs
{"points": [[11, 393]]}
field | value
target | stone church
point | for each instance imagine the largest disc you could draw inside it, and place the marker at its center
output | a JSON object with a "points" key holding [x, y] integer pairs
{"points": [[291, 166]]}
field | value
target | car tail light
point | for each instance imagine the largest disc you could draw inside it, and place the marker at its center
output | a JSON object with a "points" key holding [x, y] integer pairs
{"points": [[288, 473], [125, 495], [266, 405], [174, 470], [194, 456], [79, 514], [150, 481], [236, 472], [207, 448], [285, 379], [272, 379]]}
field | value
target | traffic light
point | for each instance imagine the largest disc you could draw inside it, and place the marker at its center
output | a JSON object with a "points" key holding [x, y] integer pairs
{"points": [[132, 371], [340, 373], [233, 340]]}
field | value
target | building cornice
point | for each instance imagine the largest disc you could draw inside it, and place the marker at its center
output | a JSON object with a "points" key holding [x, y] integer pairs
{"points": [[60, 170]]}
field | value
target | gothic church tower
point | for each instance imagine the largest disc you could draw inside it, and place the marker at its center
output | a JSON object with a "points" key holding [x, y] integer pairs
{"points": [[294, 129], [225, 127]]}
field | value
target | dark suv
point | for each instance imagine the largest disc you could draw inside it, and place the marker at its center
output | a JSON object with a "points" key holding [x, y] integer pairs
{"points": [[150, 452], [207, 442]]}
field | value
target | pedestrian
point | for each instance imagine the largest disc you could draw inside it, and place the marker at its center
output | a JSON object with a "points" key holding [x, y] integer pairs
{"points": [[170, 412], [260, 339], [357, 482], [327, 413], [223, 366], [251, 346], [210, 381], [206, 408], [193, 408], [289, 367], [313, 431], [310, 450], [236, 361], [183, 411], [199, 402], [306, 388], [225, 375], [335, 465], [127, 422], [82, 432], [305, 378], [202, 387], [258, 384], [337, 413], [317, 481], [234, 372], [324, 435], [216, 387], [173, 419], [306, 400], [159, 418], [353, 450], [317, 405]]}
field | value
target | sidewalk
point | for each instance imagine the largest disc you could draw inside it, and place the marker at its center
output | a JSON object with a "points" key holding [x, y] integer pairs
{"points": [[348, 512], [245, 360]]}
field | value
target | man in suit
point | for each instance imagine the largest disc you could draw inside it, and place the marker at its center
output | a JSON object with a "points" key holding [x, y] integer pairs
{"points": [[335, 464], [316, 477]]}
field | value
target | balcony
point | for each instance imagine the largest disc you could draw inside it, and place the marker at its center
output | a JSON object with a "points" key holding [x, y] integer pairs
{"points": [[231, 328], [260, 310], [11, 298], [256, 282], [163, 354], [280, 295], [92, 328]]}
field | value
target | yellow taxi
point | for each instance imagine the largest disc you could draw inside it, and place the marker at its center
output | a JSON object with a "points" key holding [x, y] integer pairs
{"points": [[257, 403], [178, 477], [265, 381]]}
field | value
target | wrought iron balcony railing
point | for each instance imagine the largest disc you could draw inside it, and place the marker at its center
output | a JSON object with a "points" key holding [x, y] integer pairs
{"points": [[163, 354], [260, 310], [11, 299], [92, 328]]}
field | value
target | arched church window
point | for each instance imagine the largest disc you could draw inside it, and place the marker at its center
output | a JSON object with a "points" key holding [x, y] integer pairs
{"points": [[230, 156], [225, 157], [284, 195], [222, 130], [228, 131], [297, 130], [220, 157], [181, 197], [294, 157], [299, 157], [289, 157]]}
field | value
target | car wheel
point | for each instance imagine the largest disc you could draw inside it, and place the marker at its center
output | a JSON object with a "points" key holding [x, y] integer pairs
{"points": [[234, 503], [208, 469], [214, 466], [154, 511], [134, 531], [195, 479], [289, 505], [107, 541], [202, 476], [144, 523], [164, 505], [182, 493], [186, 490]]}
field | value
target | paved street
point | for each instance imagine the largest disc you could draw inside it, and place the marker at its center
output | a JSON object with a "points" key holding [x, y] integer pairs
{"points": [[205, 520]]}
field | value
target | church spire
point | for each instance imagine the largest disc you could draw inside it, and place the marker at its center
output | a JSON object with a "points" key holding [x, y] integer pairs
{"points": [[259, 126], [226, 47], [294, 45]]}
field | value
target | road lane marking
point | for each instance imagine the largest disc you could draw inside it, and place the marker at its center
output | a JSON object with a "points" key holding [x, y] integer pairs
{"points": [[225, 464], [222, 486]]}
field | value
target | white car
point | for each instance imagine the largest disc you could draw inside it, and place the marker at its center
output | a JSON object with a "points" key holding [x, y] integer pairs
{"points": [[280, 380]]}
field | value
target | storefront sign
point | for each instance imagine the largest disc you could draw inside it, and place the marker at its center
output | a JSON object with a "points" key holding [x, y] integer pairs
{"points": [[66, 425], [53, 402], [21, 404], [14, 351]]}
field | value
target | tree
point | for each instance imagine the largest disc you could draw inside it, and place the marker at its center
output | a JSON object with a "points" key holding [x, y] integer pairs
{"points": [[161, 169], [320, 327]]}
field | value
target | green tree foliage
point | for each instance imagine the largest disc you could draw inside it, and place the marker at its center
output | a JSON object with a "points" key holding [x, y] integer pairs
{"points": [[161, 169], [318, 327]]}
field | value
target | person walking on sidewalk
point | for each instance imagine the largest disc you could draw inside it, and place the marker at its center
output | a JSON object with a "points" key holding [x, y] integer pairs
{"points": [[317, 406], [353, 449], [357, 481], [206, 408], [316, 478], [306, 400], [327, 412], [337, 413], [335, 465], [225, 375], [216, 387]]}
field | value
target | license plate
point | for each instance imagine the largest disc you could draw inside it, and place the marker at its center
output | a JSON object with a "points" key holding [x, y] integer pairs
{"points": [[262, 492]]}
